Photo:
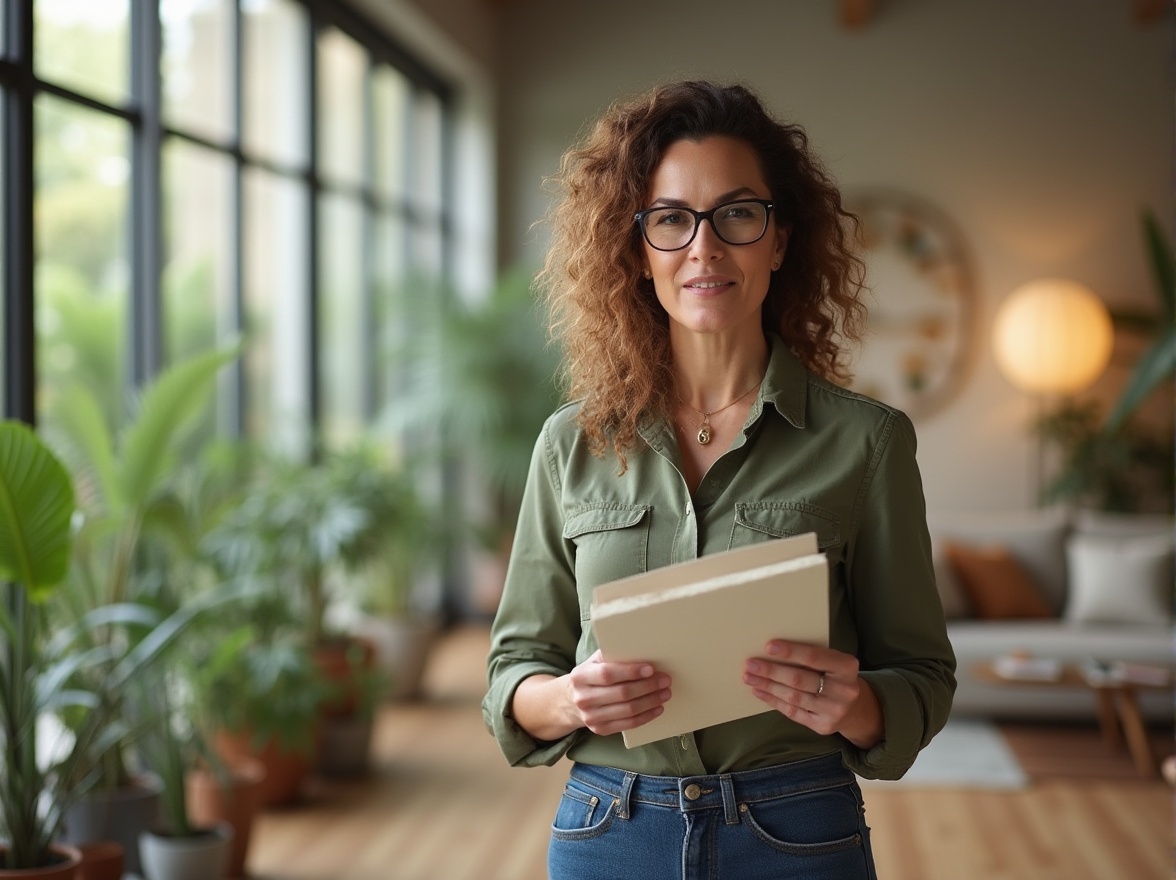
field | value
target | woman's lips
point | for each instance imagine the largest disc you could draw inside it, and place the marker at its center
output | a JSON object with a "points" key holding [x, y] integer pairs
{"points": [[707, 286]]}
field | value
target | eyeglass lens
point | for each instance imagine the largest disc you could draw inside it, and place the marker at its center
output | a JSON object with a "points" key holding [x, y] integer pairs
{"points": [[741, 222]]}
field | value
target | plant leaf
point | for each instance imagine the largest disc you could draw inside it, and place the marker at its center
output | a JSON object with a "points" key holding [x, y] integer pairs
{"points": [[80, 417], [1156, 365], [36, 503], [1163, 262], [165, 409]]}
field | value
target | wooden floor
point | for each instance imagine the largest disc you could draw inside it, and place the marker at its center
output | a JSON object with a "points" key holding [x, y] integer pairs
{"points": [[441, 804]]}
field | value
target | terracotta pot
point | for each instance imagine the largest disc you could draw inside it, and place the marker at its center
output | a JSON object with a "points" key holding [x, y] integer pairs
{"points": [[285, 770], [101, 860], [65, 869], [200, 857], [338, 660], [235, 800]]}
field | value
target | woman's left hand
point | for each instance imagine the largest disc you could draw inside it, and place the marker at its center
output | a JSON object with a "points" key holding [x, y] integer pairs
{"points": [[817, 687]]}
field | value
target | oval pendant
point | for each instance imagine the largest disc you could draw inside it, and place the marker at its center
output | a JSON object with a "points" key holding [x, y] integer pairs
{"points": [[704, 435]]}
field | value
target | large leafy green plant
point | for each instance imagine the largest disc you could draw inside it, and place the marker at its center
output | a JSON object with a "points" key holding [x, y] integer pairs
{"points": [[1158, 363], [36, 503], [133, 528], [69, 674], [1117, 463]]}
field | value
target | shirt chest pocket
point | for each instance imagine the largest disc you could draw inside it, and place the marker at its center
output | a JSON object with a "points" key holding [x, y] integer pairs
{"points": [[765, 520], [612, 542]]}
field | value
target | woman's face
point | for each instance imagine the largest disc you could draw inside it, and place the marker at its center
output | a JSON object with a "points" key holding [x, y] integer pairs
{"points": [[710, 286]]}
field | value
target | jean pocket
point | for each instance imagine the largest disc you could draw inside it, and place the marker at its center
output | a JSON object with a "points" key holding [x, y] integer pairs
{"points": [[612, 542], [581, 815], [812, 824]]}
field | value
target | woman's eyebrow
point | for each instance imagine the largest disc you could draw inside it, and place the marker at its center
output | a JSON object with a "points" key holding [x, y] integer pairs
{"points": [[724, 198]]}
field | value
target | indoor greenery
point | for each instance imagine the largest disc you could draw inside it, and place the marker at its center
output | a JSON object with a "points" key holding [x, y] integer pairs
{"points": [[303, 527], [1119, 463], [128, 546], [39, 672], [36, 503], [480, 379]]}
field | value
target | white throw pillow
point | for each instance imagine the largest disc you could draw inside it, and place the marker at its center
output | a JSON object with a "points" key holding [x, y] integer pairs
{"points": [[1119, 580]]}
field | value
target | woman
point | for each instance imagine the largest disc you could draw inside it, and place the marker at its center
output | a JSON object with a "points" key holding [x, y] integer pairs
{"points": [[701, 282]]}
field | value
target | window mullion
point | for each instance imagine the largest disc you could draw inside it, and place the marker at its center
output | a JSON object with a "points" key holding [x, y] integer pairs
{"points": [[20, 367], [146, 356], [311, 248]]}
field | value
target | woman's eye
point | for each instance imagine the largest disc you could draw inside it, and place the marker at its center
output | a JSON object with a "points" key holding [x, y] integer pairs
{"points": [[667, 218], [735, 212]]}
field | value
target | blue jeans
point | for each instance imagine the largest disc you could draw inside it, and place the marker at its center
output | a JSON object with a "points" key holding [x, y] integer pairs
{"points": [[800, 820]]}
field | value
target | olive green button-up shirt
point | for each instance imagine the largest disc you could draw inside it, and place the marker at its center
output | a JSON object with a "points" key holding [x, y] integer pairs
{"points": [[811, 457]]}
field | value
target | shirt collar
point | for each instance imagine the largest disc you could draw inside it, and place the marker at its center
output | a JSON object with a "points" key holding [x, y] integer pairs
{"points": [[785, 384]]}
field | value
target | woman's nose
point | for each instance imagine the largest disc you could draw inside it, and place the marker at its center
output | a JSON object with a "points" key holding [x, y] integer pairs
{"points": [[706, 244]]}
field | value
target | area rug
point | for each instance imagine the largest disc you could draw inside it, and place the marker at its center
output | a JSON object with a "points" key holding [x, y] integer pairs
{"points": [[967, 753]]}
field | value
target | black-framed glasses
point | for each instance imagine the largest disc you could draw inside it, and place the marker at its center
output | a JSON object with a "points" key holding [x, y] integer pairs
{"points": [[670, 229]]}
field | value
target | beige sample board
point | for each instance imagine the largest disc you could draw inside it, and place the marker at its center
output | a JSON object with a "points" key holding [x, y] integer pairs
{"points": [[699, 621]]}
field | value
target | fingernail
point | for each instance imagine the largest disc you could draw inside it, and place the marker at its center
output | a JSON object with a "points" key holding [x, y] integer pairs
{"points": [[646, 671], [663, 681]]}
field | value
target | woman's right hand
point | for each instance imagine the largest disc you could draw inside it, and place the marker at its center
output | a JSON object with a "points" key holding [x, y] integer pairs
{"points": [[611, 697], [604, 697]]}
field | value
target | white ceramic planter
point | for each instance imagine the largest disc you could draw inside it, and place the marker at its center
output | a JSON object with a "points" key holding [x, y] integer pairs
{"points": [[204, 857]]}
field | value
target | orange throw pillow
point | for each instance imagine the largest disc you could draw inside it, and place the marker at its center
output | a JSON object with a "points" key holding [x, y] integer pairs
{"points": [[996, 584]]}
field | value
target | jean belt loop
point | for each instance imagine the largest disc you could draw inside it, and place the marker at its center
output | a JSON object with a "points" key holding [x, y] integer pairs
{"points": [[730, 810], [626, 793]]}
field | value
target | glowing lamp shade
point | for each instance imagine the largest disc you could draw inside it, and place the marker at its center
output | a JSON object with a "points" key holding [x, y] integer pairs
{"points": [[1052, 337]]}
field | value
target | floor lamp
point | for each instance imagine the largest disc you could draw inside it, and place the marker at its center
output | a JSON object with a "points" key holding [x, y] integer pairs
{"points": [[1051, 338]]}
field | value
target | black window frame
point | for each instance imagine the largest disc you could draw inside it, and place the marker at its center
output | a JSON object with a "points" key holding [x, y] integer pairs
{"points": [[19, 88]]}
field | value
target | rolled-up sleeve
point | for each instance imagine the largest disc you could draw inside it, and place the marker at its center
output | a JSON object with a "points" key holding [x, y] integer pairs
{"points": [[537, 627], [904, 651]]}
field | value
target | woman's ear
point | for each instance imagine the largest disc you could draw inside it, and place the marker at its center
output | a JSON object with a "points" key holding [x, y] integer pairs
{"points": [[782, 233]]}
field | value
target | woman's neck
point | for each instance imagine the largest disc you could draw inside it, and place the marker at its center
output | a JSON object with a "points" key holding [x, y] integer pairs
{"points": [[713, 370]]}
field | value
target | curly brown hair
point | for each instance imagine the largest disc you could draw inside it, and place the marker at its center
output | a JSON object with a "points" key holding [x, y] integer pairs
{"points": [[613, 332]]}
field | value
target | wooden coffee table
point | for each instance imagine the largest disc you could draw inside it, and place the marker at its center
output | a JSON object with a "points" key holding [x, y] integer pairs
{"points": [[1119, 718]]}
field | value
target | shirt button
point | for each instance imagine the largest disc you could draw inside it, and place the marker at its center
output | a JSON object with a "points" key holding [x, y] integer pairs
{"points": [[692, 792], [689, 508]]}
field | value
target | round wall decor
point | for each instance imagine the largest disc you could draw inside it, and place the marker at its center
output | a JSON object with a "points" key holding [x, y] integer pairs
{"points": [[922, 302]]}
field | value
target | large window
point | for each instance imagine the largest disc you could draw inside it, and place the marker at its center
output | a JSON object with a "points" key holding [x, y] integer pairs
{"points": [[207, 169]]}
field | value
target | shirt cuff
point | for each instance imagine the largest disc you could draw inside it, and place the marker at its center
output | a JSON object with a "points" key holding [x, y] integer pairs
{"points": [[520, 749], [902, 719]]}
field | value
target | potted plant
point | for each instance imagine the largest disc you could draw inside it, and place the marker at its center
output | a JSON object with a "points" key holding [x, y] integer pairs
{"points": [[383, 584], [260, 693], [128, 504], [176, 847], [34, 557], [1120, 463], [309, 525], [1158, 363]]}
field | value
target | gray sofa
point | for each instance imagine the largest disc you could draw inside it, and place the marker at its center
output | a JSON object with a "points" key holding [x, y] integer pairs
{"points": [[1107, 581]]}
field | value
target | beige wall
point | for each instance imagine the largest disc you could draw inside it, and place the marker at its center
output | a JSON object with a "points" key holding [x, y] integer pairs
{"points": [[1041, 128]]}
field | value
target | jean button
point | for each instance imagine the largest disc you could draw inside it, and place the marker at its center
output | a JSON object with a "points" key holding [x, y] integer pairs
{"points": [[692, 792]]}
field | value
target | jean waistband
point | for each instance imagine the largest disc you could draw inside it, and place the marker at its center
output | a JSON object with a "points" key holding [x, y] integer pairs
{"points": [[717, 791]]}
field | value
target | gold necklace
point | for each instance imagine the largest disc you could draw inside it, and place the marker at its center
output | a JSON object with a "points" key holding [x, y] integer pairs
{"points": [[704, 430]]}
